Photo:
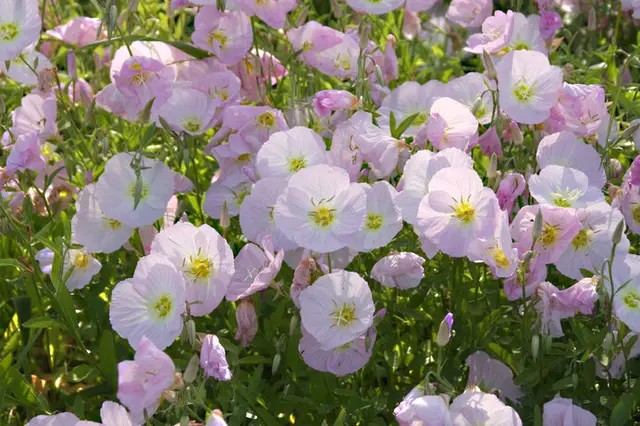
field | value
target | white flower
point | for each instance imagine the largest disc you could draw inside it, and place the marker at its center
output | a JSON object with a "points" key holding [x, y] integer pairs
{"points": [[382, 221], [111, 414], [150, 304], [375, 7], [472, 90], [20, 26], [526, 33], [337, 308], [19, 71], [289, 151], [84, 266], [626, 304], [116, 190], [205, 260], [563, 187], [320, 209], [218, 193], [90, 227]]}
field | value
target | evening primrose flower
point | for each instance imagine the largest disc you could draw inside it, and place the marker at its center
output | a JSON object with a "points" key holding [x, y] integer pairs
{"points": [[35, 114], [401, 270], [150, 304], [141, 79], [337, 308], [472, 90], [111, 414], [526, 33], [495, 35], [474, 407], [563, 187], [84, 265], [529, 86], [20, 26], [218, 193], [326, 101], [432, 410], [116, 190], [374, 7], [320, 209], [492, 374], [562, 412], [378, 148], [227, 35], [187, 110], [383, 220], [62, 419], [272, 12], [451, 125], [205, 260], [559, 227], [496, 251], [593, 243], [90, 227], [290, 151], [26, 154], [469, 13], [213, 359], [457, 210], [20, 72], [626, 304], [565, 149]]}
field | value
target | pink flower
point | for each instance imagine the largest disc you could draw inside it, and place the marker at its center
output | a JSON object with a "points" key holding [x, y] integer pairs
{"points": [[415, 6], [402, 270], [495, 35], [411, 24], [141, 79], [582, 296], [469, 13], [247, 321], [312, 38], [227, 35], [490, 143], [634, 172], [213, 359], [326, 101], [79, 32], [553, 306], [580, 109], [534, 275], [452, 125], [26, 154], [216, 419], [255, 269], [35, 114], [550, 23], [492, 374], [511, 187], [431, 410], [142, 382], [303, 276], [379, 149], [80, 91], [562, 412], [272, 12]]}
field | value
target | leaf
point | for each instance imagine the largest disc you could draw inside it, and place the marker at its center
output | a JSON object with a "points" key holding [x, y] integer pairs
{"points": [[23, 309], [12, 262], [79, 373], [341, 418], [392, 122], [107, 358], [137, 196], [42, 322], [22, 391], [622, 410], [564, 383], [185, 47], [406, 123]]}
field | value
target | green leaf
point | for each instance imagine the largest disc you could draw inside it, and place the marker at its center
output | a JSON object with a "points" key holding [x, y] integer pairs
{"points": [[42, 322], [107, 360], [392, 123], [341, 418], [12, 262], [185, 47], [79, 373], [406, 123], [564, 383], [23, 309], [22, 391], [622, 410]]}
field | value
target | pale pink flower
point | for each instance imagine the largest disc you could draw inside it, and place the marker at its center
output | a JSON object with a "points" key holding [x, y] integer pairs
{"points": [[490, 374], [216, 419], [326, 101], [469, 13], [112, 414], [402, 270], [227, 35], [535, 274], [511, 187], [379, 149], [62, 419], [473, 408], [142, 382], [141, 79], [213, 359], [313, 37], [495, 35], [26, 154], [35, 114], [303, 276], [581, 110], [272, 12], [496, 251], [490, 142], [562, 412], [247, 321], [375, 7], [80, 92], [187, 110], [451, 125], [344, 151], [79, 32], [20, 26], [415, 6], [411, 24], [550, 23], [428, 410]]}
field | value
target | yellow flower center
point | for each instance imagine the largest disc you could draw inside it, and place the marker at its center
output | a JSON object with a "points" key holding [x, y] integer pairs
{"points": [[500, 259], [523, 92], [373, 222], [243, 158], [344, 63], [344, 315], [581, 240], [521, 46], [632, 300], [163, 306], [200, 267], [238, 197], [296, 164], [220, 37], [464, 212], [420, 119], [144, 191], [549, 235], [191, 124], [113, 224], [322, 216], [9, 31], [268, 119], [81, 260], [635, 213]]}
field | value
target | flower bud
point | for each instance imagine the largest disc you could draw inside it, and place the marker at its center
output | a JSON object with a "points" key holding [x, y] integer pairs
{"points": [[293, 325], [537, 225], [191, 371], [493, 167], [216, 419], [444, 331], [71, 66], [489, 65], [213, 359], [191, 333], [591, 22], [607, 342], [516, 134], [225, 220], [535, 346], [247, 321], [617, 233], [363, 34], [276, 363]]}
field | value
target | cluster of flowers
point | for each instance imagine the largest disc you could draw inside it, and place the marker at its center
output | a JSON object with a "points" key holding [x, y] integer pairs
{"points": [[316, 208]]}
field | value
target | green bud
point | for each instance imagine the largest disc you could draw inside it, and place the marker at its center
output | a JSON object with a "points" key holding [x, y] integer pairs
{"points": [[191, 372], [489, 65], [535, 346], [617, 233], [537, 225]]}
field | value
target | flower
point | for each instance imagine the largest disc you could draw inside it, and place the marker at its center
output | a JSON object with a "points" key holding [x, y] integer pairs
{"points": [[213, 359], [247, 321], [216, 419], [227, 35], [565, 149], [495, 35], [469, 13], [550, 23], [379, 149], [84, 266], [563, 187], [290, 151], [79, 32], [90, 227], [473, 407], [593, 243], [116, 190], [326, 101], [254, 270], [374, 7], [20, 26], [382, 221], [451, 125], [581, 110], [337, 308], [62, 419], [526, 34], [428, 410], [142, 382], [496, 251], [562, 412], [35, 114], [444, 331], [626, 304], [45, 260], [150, 304], [26, 154], [529, 86], [112, 414], [630, 207], [472, 90], [304, 274], [402, 270], [418, 172], [188, 110], [141, 79], [320, 209], [457, 210], [20, 72], [559, 227], [218, 193], [204, 259], [491, 374], [511, 187], [272, 12]]}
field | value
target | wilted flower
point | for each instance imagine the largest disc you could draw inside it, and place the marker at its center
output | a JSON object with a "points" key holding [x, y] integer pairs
{"points": [[213, 359], [247, 321], [326, 101], [254, 270]]}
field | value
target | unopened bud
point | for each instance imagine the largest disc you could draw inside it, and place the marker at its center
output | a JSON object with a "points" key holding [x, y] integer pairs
{"points": [[444, 331], [631, 130], [493, 167], [607, 342], [293, 325], [225, 220], [132, 6], [191, 371], [535, 346], [276, 363], [516, 133], [537, 225], [591, 23], [363, 34], [72, 70], [546, 343], [191, 333], [336, 8], [378, 73], [302, 18], [527, 258], [617, 233], [489, 65]]}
